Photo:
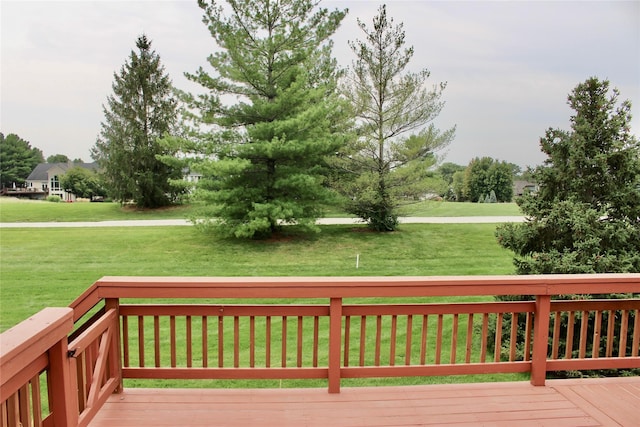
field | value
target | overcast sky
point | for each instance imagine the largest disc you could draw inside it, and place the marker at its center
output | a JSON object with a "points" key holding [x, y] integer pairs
{"points": [[509, 65]]}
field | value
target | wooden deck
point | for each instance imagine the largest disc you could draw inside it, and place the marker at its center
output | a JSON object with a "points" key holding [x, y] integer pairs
{"points": [[84, 353], [589, 402]]}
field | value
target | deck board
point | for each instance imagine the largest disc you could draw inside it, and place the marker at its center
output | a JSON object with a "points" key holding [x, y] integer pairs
{"points": [[590, 402]]}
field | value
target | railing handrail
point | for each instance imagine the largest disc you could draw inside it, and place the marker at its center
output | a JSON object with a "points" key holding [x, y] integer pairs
{"points": [[350, 287], [27, 341], [29, 348]]}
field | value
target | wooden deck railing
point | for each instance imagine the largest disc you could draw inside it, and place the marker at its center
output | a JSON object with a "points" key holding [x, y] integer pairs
{"points": [[334, 328]]}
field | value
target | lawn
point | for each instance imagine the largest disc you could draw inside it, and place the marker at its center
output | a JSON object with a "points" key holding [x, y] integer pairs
{"points": [[50, 267], [434, 208], [12, 210]]}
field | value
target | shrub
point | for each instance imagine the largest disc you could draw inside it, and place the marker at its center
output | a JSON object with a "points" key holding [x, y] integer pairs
{"points": [[54, 199]]}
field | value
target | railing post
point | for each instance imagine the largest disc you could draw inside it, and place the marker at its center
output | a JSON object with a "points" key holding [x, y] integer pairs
{"points": [[116, 345], [335, 343], [62, 387], [540, 340]]}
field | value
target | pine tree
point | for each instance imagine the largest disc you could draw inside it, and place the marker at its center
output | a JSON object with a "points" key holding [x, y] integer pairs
{"points": [[140, 110], [586, 216], [274, 111], [390, 159]]}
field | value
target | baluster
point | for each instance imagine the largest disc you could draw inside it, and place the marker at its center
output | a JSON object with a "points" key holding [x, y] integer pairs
{"points": [[423, 339], [140, 341], [172, 338], [454, 339], [347, 329], [595, 351], [568, 353], [363, 340], [409, 335], [316, 340], [205, 342], [252, 341], [611, 321], [189, 342], [439, 340], [392, 342], [497, 347], [156, 341], [300, 344], [236, 341]]}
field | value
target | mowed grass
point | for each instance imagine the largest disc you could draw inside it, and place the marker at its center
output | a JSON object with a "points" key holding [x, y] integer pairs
{"points": [[52, 266], [13, 210], [440, 209]]}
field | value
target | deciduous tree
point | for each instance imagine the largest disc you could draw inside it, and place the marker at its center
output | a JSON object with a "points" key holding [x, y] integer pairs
{"points": [[390, 158], [82, 182], [273, 112], [140, 110], [484, 175], [58, 158]]}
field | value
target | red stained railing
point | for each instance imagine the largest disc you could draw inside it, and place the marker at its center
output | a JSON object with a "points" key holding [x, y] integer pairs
{"points": [[346, 328]]}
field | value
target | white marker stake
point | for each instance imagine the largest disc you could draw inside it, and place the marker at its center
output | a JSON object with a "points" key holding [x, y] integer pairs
{"points": [[357, 260]]}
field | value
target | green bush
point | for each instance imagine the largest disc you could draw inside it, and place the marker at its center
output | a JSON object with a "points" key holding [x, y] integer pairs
{"points": [[54, 199]]}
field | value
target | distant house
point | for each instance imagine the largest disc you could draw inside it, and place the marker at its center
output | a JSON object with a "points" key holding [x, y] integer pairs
{"points": [[46, 178], [191, 176], [520, 188]]}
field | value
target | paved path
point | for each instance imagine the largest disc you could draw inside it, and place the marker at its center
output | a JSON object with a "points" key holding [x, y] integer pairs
{"points": [[323, 221]]}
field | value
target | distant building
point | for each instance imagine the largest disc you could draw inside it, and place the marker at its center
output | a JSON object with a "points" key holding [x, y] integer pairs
{"points": [[45, 178], [520, 188], [191, 176]]}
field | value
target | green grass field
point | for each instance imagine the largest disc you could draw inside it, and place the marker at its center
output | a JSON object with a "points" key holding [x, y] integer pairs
{"points": [[52, 266], [13, 210]]}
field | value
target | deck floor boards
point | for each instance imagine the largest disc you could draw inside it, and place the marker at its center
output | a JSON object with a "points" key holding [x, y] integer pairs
{"points": [[589, 402]]}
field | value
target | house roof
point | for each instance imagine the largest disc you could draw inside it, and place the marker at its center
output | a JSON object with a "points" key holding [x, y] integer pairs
{"points": [[519, 186], [40, 173]]}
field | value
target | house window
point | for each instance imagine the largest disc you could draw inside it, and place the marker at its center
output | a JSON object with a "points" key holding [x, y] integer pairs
{"points": [[55, 183]]}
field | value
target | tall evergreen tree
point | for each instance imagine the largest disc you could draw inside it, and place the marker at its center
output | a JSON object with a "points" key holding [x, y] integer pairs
{"points": [[390, 158], [275, 114], [140, 111], [17, 160], [586, 216]]}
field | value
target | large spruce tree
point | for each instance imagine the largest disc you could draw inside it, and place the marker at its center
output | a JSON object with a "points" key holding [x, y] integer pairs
{"points": [[586, 216], [389, 160], [140, 110], [273, 112]]}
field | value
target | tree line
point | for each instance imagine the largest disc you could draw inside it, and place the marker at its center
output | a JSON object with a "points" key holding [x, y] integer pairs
{"points": [[303, 132]]}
